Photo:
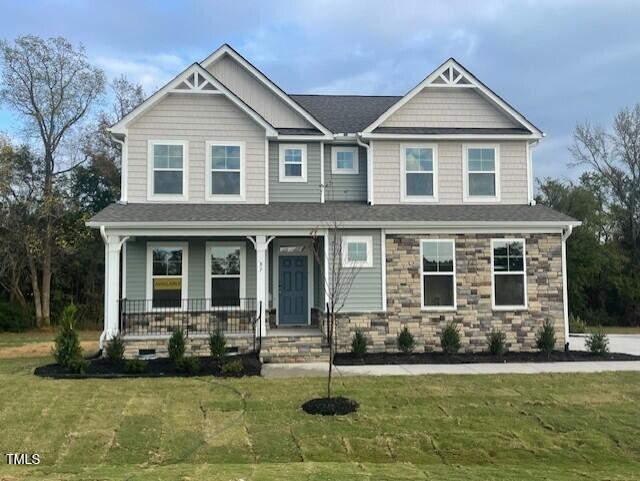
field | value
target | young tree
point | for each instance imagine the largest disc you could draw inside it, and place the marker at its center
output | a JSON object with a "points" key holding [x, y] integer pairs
{"points": [[53, 87], [337, 278]]}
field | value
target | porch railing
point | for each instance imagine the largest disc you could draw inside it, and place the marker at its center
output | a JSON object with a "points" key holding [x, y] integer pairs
{"points": [[193, 316]]}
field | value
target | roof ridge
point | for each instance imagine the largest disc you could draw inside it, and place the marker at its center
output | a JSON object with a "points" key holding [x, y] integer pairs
{"points": [[342, 95]]}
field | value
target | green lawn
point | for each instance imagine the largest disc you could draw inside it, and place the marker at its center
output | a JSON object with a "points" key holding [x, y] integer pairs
{"points": [[551, 427], [13, 339]]}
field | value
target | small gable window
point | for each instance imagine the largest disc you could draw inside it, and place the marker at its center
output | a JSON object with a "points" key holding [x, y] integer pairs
{"points": [[293, 163], [167, 172], [482, 173], [344, 160], [225, 177], [419, 173]]}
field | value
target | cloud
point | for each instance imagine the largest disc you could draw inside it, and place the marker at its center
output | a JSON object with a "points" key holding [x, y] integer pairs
{"points": [[152, 72]]}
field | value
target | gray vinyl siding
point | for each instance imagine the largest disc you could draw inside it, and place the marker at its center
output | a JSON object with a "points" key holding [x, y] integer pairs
{"points": [[448, 107], [365, 294], [308, 191], [345, 187], [136, 266], [196, 119], [387, 171], [255, 94]]}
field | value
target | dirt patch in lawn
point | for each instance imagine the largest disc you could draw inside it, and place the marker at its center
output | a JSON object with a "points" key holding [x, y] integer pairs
{"points": [[250, 365], [347, 359], [334, 406], [40, 349]]}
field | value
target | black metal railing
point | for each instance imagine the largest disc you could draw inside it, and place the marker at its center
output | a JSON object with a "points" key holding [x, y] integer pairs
{"points": [[193, 316]]}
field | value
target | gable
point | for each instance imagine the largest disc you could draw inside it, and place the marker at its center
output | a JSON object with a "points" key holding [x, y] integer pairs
{"points": [[252, 91], [449, 107]]}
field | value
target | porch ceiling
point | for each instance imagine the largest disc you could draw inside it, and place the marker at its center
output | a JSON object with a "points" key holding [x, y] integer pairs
{"points": [[314, 214]]}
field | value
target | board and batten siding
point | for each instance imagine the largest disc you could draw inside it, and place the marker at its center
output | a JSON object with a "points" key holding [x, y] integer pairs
{"points": [[308, 191], [136, 266], [449, 107], [196, 119], [513, 171], [255, 94], [365, 294], [345, 187]]}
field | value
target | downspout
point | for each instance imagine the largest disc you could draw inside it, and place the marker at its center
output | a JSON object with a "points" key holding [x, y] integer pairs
{"points": [[565, 298], [124, 176], [367, 147], [530, 145]]}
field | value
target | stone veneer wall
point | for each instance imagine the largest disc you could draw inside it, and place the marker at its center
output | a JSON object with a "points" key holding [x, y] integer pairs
{"points": [[474, 313], [196, 345]]}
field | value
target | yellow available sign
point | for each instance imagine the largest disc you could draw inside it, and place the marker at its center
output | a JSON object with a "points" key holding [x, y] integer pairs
{"points": [[167, 284]]}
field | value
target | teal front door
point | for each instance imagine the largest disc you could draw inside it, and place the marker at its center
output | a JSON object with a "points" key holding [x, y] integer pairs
{"points": [[293, 301]]}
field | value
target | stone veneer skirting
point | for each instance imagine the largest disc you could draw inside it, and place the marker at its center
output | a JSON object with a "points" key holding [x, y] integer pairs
{"points": [[196, 345], [474, 314]]}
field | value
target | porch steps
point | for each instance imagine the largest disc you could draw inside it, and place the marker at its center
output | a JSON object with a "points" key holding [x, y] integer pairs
{"points": [[291, 346]]}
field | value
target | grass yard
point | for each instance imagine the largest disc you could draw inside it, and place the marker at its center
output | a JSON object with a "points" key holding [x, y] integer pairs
{"points": [[38, 342], [553, 427]]}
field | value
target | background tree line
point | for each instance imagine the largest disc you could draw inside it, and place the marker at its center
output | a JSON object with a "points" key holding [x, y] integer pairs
{"points": [[66, 168]]}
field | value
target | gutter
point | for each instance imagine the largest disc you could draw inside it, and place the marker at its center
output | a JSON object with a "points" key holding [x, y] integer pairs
{"points": [[367, 147]]}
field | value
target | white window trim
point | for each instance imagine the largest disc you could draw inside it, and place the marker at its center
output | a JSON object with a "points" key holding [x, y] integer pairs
{"points": [[208, 169], [185, 171], [368, 240], [423, 274], [243, 270], [465, 174], [403, 173], [334, 160], [525, 306], [303, 149], [185, 272]]}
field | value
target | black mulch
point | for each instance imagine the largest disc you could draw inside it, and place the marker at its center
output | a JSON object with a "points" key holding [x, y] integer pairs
{"points": [[334, 406], [102, 368], [347, 359]]}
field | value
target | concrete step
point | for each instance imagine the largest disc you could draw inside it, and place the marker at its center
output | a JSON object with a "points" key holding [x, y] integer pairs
{"points": [[294, 348]]}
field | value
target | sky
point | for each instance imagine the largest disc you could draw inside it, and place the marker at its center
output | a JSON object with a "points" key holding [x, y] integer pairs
{"points": [[559, 62]]}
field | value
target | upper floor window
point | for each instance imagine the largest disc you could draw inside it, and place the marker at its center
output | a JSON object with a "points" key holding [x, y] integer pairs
{"points": [[508, 265], [438, 274], [481, 164], [419, 176], [166, 274], [357, 251], [225, 176], [167, 170], [344, 160], [293, 163]]}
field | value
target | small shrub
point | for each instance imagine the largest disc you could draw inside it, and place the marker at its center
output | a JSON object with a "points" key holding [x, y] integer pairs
{"points": [[77, 365], [13, 318], [450, 338], [546, 337], [233, 367], [577, 325], [359, 344], [597, 342], [406, 343], [217, 345], [67, 344], [135, 366], [190, 365], [176, 347], [115, 350], [496, 339]]}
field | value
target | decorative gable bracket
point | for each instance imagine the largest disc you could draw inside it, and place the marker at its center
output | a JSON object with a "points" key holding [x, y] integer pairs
{"points": [[450, 77], [195, 83]]}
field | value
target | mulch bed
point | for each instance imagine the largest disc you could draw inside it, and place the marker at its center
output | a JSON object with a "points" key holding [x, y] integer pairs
{"points": [[102, 368], [334, 406], [347, 359]]}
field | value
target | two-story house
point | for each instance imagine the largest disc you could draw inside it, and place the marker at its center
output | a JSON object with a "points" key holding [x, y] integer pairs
{"points": [[230, 186]]}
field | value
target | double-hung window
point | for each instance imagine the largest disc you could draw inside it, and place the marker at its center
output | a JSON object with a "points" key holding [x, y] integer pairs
{"points": [[167, 269], [167, 170], [226, 273], [438, 274], [508, 260], [482, 173], [293, 163], [344, 160], [357, 251], [419, 181], [225, 176]]}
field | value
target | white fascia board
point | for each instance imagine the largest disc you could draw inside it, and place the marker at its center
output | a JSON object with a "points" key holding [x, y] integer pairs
{"points": [[120, 127], [227, 50], [488, 93], [449, 136], [310, 138]]}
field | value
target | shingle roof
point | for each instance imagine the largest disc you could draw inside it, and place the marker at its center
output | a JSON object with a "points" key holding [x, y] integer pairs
{"points": [[298, 131], [345, 113], [450, 130], [349, 213]]}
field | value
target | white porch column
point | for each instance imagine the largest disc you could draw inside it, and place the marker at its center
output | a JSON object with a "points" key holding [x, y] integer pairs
{"points": [[112, 247], [261, 281]]}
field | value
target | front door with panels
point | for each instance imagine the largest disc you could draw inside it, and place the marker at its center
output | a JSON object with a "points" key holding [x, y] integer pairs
{"points": [[293, 292]]}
